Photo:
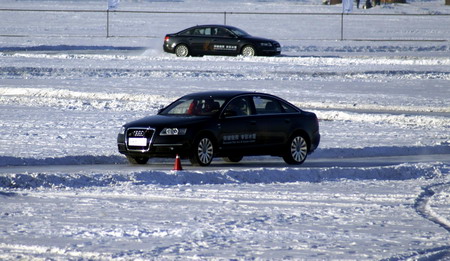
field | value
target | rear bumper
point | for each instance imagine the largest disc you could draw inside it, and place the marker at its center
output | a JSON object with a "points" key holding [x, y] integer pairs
{"points": [[315, 142], [168, 49]]}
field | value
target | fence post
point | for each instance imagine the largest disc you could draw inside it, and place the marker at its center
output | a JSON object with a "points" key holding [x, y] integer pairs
{"points": [[107, 23], [225, 18], [342, 26]]}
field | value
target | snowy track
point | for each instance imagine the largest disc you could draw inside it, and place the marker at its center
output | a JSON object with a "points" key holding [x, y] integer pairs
{"points": [[377, 188], [364, 194], [312, 220]]}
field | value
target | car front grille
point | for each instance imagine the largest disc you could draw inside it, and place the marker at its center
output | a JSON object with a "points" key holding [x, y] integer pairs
{"points": [[139, 139]]}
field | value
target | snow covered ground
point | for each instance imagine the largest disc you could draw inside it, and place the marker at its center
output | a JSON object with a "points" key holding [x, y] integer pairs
{"points": [[377, 188]]}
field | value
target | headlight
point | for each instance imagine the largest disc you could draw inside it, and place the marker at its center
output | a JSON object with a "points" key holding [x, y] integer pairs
{"points": [[266, 44], [122, 130], [173, 131]]}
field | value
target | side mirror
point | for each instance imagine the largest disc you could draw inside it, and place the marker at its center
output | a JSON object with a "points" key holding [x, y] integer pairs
{"points": [[161, 108]]}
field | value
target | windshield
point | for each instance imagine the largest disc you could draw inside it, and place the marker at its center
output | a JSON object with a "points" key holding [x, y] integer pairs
{"points": [[197, 106], [239, 32]]}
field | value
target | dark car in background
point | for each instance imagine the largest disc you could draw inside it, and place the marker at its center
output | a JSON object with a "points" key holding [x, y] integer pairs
{"points": [[228, 124], [218, 40]]}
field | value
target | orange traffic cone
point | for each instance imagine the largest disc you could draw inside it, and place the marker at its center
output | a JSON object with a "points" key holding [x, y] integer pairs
{"points": [[177, 165]]}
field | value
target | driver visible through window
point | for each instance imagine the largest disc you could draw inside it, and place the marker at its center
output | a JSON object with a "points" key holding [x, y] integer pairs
{"points": [[199, 106], [238, 107]]}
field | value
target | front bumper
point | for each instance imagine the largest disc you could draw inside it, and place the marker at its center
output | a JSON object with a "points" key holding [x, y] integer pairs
{"points": [[269, 51], [157, 150], [156, 146]]}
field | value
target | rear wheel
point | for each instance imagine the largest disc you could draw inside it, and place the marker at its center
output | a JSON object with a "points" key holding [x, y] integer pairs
{"points": [[235, 158], [248, 50], [137, 160], [296, 151], [203, 151], [182, 50]]}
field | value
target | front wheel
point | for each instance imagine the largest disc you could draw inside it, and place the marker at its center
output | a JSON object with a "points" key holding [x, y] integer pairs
{"points": [[203, 152], [296, 151], [248, 51], [182, 50]]}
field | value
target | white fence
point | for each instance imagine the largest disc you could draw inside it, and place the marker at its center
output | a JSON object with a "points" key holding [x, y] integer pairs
{"points": [[283, 26]]}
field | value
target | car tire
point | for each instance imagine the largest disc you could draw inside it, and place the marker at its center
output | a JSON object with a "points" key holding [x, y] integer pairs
{"points": [[296, 150], [182, 50], [137, 160], [248, 51], [202, 152], [235, 158]]}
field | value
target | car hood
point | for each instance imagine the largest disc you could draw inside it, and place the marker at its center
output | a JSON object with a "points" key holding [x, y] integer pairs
{"points": [[260, 39], [166, 121]]}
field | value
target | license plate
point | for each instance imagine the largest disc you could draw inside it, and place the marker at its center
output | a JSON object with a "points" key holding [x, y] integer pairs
{"points": [[141, 142], [278, 49]]}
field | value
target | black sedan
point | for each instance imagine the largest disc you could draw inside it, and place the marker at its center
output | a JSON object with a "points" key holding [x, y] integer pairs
{"points": [[228, 124], [218, 40]]}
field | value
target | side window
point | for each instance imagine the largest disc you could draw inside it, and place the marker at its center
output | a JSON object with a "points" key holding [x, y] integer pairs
{"points": [[199, 32], [223, 33], [196, 32], [208, 106], [188, 32], [288, 108], [267, 105], [207, 31], [238, 107]]}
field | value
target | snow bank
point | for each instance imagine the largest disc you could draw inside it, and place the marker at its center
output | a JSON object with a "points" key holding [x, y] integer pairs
{"points": [[226, 176], [66, 160], [76, 100]]}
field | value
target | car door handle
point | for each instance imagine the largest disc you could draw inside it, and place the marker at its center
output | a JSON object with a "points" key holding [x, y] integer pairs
{"points": [[252, 122]]}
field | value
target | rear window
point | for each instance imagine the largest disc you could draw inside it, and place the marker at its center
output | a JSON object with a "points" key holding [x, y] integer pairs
{"points": [[269, 105], [206, 31]]}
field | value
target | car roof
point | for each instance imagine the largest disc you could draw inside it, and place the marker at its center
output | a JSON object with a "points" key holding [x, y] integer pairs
{"points": [[220, 93], [227, 94], [213, 25]]}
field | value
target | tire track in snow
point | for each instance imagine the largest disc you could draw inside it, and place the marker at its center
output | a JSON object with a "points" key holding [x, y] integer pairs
{"points": [[11, 72], [424, 209]]}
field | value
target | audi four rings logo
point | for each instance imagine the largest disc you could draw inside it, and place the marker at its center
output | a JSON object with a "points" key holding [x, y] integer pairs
{"points": [[138, 133]]}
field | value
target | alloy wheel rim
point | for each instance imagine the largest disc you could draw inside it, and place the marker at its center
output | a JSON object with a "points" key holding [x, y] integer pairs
{"points": [[299, 149], [248, 51], [182, 51], [205, 150]]}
